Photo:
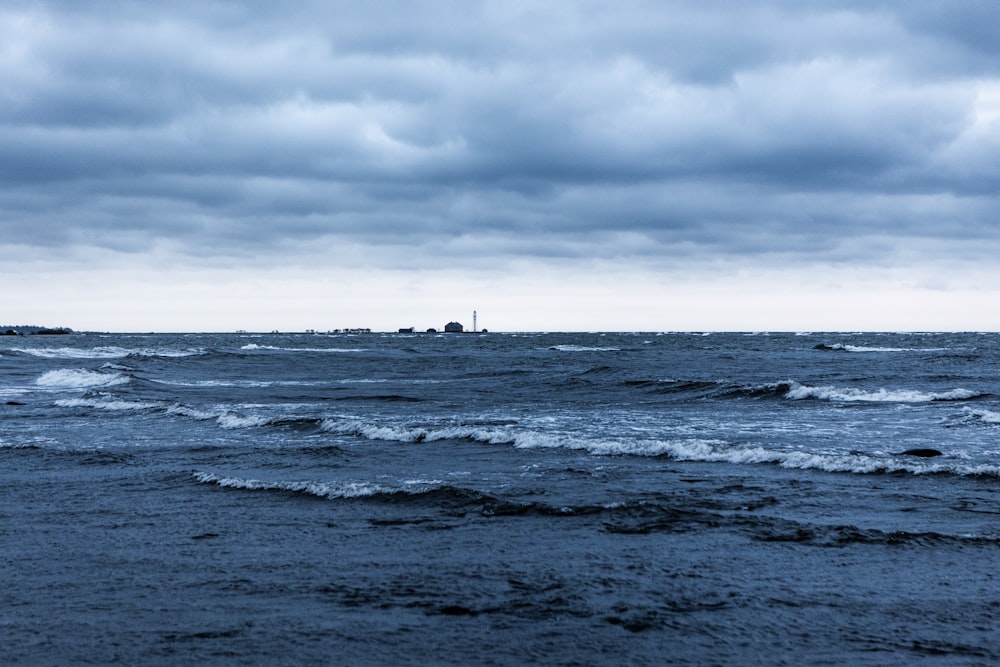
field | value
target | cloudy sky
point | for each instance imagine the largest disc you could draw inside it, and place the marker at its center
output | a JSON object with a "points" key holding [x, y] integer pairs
{"points": [[557, 165]]}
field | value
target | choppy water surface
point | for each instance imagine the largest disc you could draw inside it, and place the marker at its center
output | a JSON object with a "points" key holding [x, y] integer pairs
{"points": [[500, 499]]}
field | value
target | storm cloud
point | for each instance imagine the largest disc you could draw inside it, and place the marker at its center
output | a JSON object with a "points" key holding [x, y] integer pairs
{"points": [[405, 135]]}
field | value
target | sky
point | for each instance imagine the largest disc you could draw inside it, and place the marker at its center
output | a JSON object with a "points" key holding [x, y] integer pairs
{"points": [[555, 166]]}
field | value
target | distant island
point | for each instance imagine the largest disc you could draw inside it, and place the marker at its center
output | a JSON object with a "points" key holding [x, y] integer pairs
{"points": [[32, 330]]}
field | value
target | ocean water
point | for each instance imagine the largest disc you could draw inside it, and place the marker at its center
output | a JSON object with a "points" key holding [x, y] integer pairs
{"points": [[500, 499]]}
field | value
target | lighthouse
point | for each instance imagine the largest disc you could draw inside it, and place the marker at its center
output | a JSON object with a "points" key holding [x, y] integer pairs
{"points": [[473, 321]]}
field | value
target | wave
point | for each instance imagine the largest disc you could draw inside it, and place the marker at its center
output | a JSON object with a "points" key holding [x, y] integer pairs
{"points": [[387, 398], [982, 416], [686, 387], [319, 489], [790, 389], [852, 462], [107, 404], [245, 384], [654, 513], [231, 419], [843, 347], [75, 378], [583, 348], [414, 434], [252, 347], [704, 450], [433, 493], [798, 391], [777, 530], [105, 352]]}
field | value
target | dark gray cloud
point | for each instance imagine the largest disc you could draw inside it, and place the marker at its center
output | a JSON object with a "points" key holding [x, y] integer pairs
{"points": [[837, 131]]}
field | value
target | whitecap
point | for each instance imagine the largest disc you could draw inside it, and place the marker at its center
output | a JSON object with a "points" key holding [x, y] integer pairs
{"points": [[865, 348], [106, 404], [320, 489], [412, 434], [254, 346], [185, 411], [233, 420], [75, 353], [75, 378], [983, 415], [851, 394]]}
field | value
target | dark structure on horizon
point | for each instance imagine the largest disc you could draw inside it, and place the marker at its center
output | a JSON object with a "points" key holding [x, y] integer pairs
{"points": [[26, 330], [454, 327]]}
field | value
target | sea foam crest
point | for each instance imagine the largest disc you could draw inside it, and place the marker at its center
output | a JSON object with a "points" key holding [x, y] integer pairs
{"points": [[319, 489], [583, 348], [106, 404], [520, 439], [798, 391], [105, 352], [225, 418], [371, 431], [76, 378], [255, 346], [857, 463], [75, 353], [843, 347], [234, 420], [984, 416]]}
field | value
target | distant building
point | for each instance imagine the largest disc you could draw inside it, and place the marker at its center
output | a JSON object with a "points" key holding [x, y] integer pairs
{"points": [[454, 327], [406, 330]]}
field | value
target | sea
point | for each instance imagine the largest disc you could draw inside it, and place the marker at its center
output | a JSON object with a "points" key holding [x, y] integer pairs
{"points": [[500, 499]]}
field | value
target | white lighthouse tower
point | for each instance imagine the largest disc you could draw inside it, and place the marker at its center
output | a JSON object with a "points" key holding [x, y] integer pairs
{"points": [[473, 321]]}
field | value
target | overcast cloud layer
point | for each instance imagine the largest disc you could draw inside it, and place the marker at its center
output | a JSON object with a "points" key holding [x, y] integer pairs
{"points": [[609, 156]]}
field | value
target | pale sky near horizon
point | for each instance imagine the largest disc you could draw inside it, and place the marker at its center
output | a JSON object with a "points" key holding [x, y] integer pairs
{"points": [[653, 166]]}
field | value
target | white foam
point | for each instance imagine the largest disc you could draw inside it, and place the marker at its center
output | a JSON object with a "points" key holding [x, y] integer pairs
{"points": [[320, 489], [987, 416], [74, 353], [233, 420], [614, 447], [104, 352], [583, 348], [719, 452], [691, 449], [521, 439], [252, 384], [254, 346], [75, 378], [851, 394], [227, 419], [865, 348], [4, 444], [102, 404], [371, 431]]}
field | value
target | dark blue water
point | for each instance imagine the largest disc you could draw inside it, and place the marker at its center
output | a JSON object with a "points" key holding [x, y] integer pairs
{"points": [[500, 499]]}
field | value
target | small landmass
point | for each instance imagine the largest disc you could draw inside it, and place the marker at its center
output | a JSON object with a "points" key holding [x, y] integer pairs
{"points": [[33, 330]]}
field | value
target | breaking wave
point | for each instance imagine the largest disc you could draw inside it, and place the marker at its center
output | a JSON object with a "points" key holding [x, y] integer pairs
{"points": [[982, 416], [105, 352], [583, 348], [414, 434], [75, 378], [798, 391], [843, 347], [107, 404], [704, 450], [251, 347], [790, 389], [318, 489]]}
